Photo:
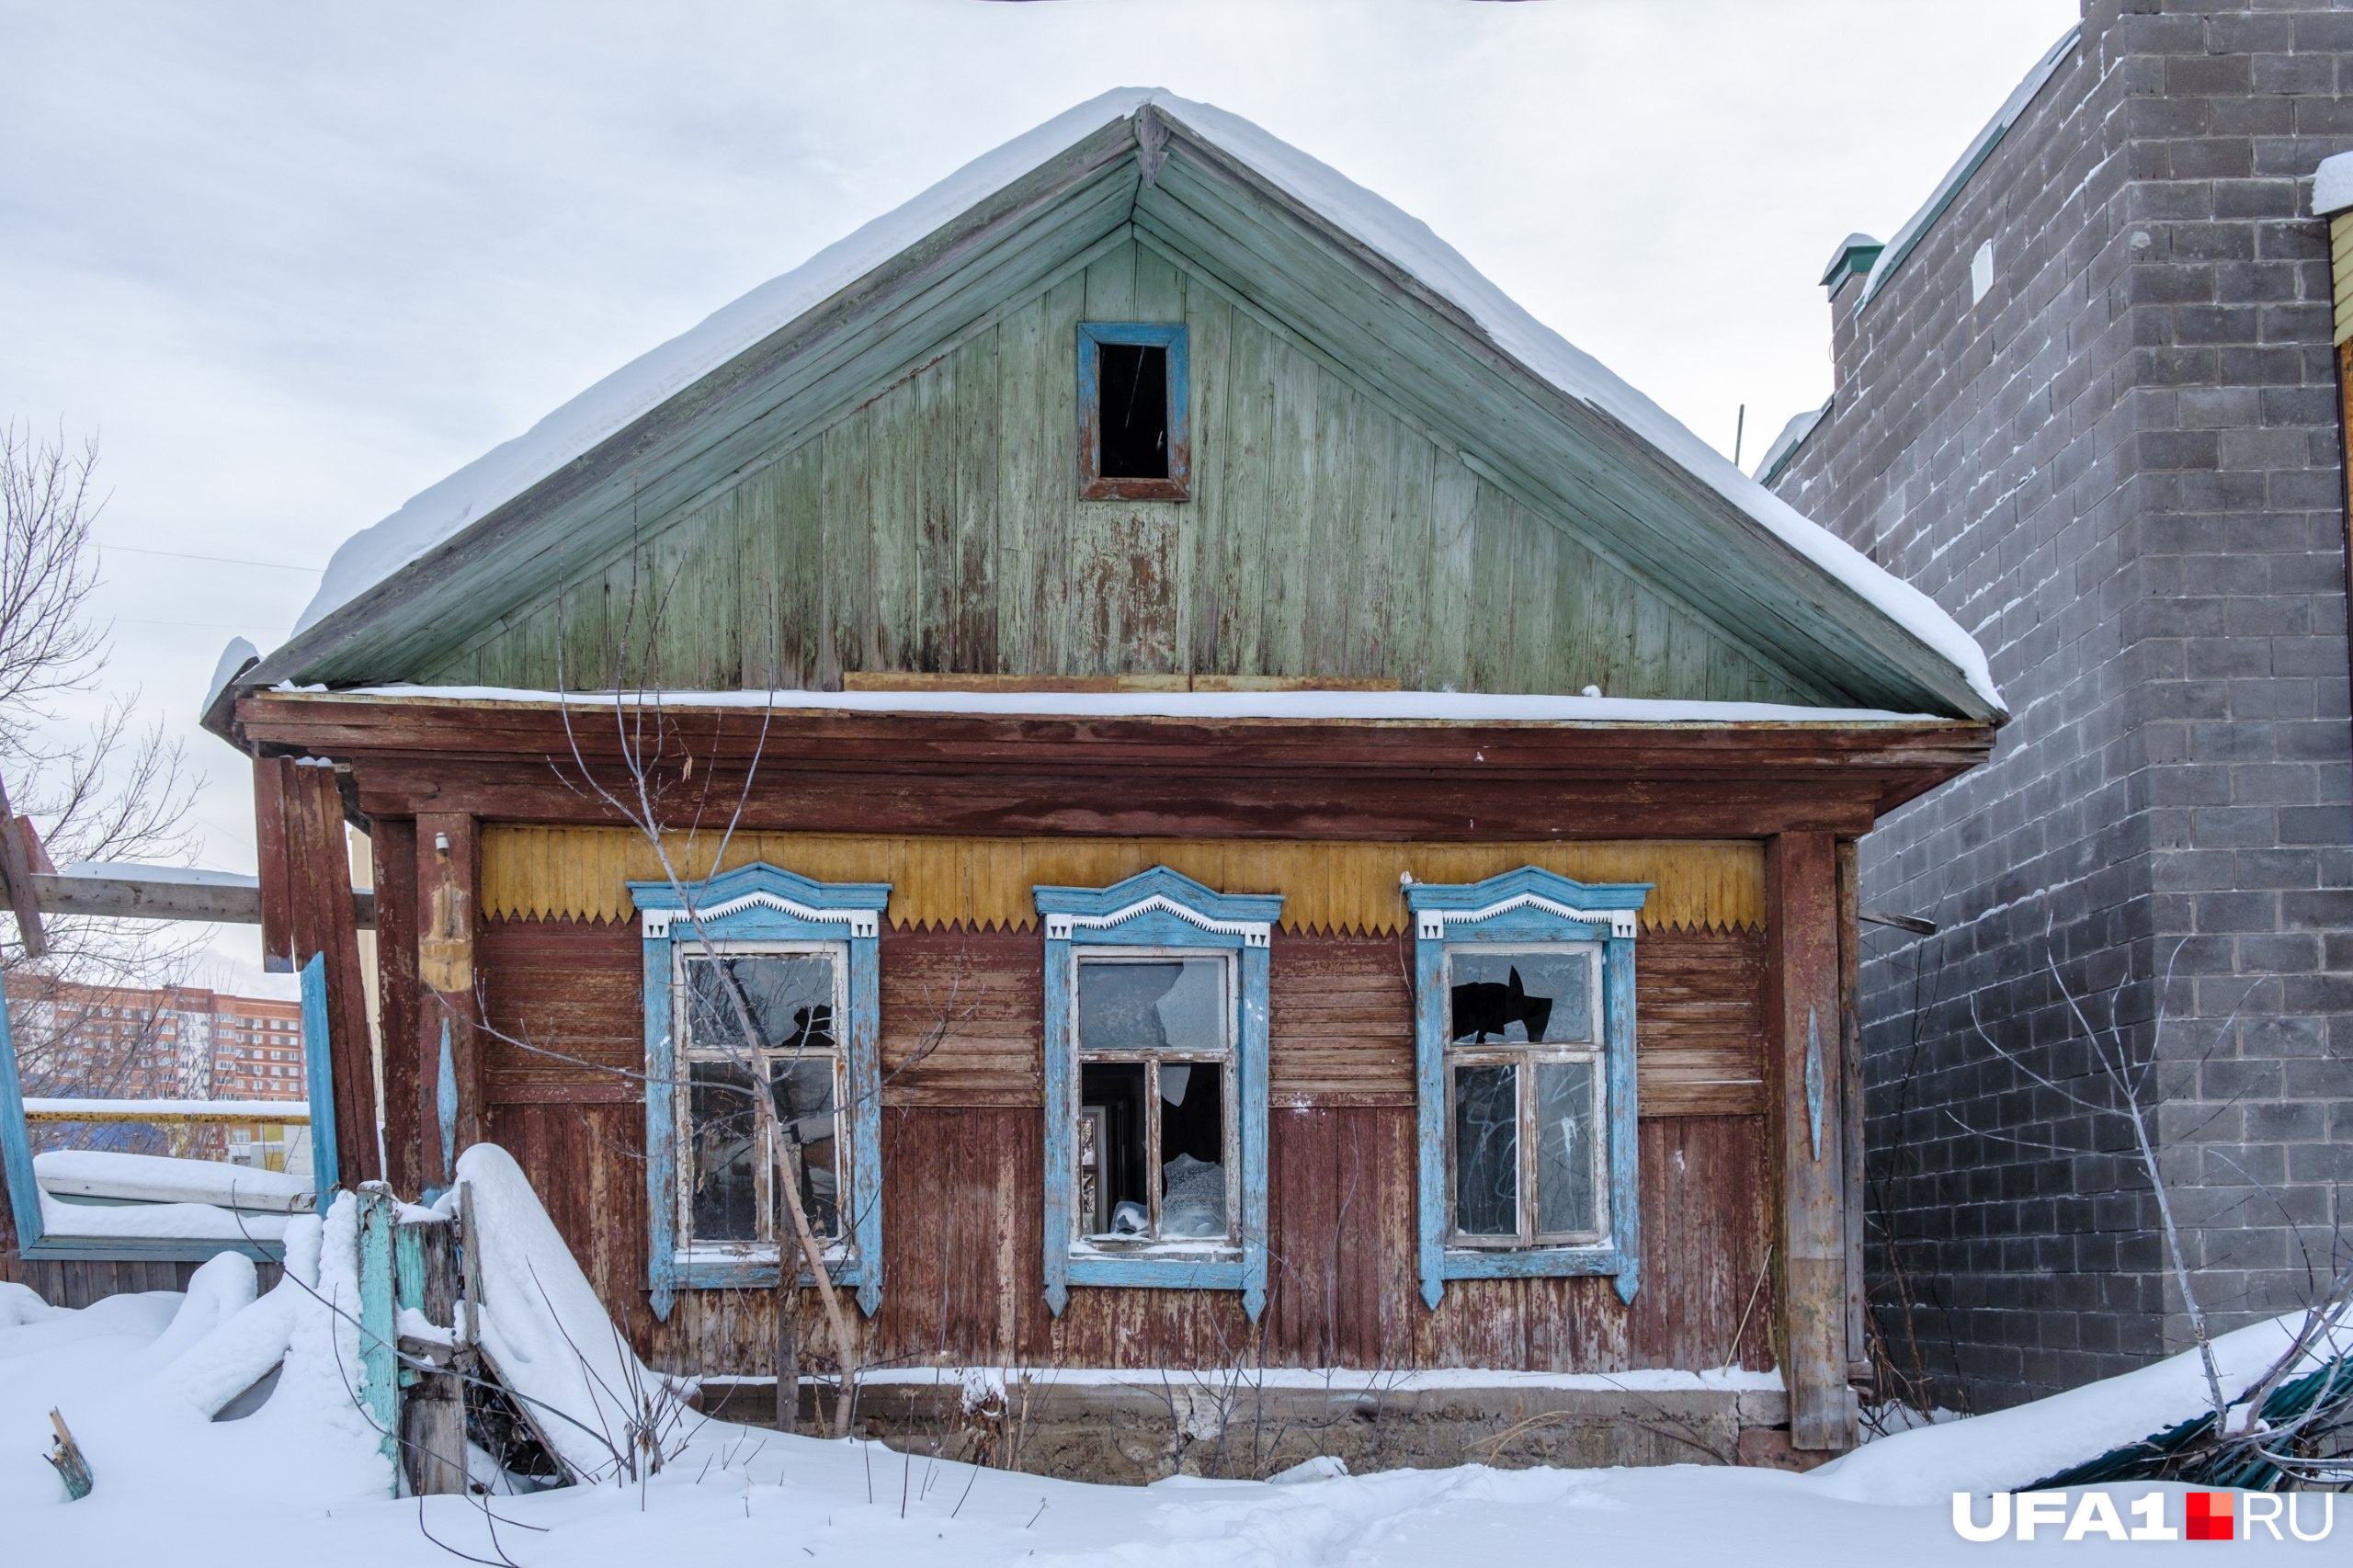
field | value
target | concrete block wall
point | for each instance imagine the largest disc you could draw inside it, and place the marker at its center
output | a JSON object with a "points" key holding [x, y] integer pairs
{"points": [[2121, 470]]}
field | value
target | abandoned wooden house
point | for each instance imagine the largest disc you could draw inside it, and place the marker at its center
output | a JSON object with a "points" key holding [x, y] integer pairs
{"points": [[1260, 812]]}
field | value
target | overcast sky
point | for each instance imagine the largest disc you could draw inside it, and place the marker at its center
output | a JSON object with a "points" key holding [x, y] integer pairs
{"points": [[292, 264]]}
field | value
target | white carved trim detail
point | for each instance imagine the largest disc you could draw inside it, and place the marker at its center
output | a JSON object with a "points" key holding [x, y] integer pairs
{"points": [[1254, 933], [656, 922], [1432, 923]]}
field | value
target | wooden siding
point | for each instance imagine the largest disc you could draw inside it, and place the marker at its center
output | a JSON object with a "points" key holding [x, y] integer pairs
{"points": [[936, 526], [1326, 885], [963, 1153], [2340, 254]]}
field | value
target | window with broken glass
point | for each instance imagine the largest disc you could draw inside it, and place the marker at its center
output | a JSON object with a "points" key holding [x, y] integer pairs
{"points": [[760, 1021], [1133, 432], [762, 1007], [1155, 1086], [1526, 1144], [1524, 1066], [1155, 1099]]}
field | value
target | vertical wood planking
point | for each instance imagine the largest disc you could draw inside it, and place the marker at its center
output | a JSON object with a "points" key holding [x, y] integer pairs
{"points": [[1851, 1106], [972, 633], [408, 1076], [1801, 900]]}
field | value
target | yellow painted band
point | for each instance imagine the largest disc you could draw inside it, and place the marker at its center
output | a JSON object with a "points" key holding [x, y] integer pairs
{"points": [[1327, 885]]}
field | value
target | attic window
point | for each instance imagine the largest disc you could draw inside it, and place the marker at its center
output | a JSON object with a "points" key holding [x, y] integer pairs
{"points": [[1134, 443]]}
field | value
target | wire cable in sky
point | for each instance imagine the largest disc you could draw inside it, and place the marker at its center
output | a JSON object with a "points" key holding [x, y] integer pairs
{"points": [[223, 559]]}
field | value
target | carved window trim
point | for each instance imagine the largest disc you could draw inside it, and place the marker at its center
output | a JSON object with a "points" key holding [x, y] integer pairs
{"points": [[1530, 908], [756, 908], [1157, 912]]}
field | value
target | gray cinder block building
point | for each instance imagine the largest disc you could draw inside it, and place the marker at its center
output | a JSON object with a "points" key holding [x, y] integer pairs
{"points": [[2088, 399]]}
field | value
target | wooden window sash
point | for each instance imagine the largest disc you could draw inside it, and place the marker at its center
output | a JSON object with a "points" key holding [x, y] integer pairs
{"points": [[1228, 1130]]}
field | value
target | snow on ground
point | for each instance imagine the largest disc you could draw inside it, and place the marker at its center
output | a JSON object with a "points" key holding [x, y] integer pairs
{"points": [[304, 1478]]}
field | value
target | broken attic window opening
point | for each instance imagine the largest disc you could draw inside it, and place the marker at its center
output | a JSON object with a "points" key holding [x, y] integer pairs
{"points": [[1526, 1151], [1135, 381], [1154, 1040], [1131, 411], [791, 996]]}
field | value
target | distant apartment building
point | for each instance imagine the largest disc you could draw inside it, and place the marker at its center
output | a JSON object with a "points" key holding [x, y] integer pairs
{"points": [[176, 1042]]}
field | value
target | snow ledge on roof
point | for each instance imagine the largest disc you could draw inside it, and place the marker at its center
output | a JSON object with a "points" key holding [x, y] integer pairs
{"points": [[2333, 185], [1980, 148], [1786, 444], [437, 515], [1361, 707]]}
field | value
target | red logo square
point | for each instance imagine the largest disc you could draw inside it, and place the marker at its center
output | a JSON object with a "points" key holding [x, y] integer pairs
{"points": [[2210, 1515]]}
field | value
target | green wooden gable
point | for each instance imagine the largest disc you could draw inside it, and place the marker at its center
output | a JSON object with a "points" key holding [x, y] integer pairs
{"points": [[889, 483]]}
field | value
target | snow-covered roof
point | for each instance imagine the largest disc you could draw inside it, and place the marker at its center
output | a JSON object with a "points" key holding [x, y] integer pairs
{"points": [[1792, 437], [1359, 707], [1980, 148], [2332, 185], [438, 515]]}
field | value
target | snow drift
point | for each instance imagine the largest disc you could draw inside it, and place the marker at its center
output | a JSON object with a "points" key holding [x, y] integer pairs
{"points": [[542, 1326], [2011, 1449]]}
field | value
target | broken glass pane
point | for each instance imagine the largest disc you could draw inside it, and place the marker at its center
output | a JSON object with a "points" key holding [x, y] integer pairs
{"points": [[725, 1154], [1172, 1004], [805, 1109], [1111, 1094], [789, 997], [1132, 383], [1539, 997], [1192, 1149], [1564, 1147], [1487, 1151]]}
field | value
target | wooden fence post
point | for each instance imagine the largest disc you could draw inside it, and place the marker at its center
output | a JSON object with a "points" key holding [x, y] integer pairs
{"points": [[433, 1408], [379, 1323], [1804, 1027]]}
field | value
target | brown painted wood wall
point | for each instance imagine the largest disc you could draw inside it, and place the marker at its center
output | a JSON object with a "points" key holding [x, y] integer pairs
{"points": [[962, 1151]]}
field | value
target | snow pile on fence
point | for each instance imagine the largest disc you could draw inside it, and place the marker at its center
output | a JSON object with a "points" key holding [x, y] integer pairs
{"points": [[2011, 1449], [542, 1326], [161, 1178]]}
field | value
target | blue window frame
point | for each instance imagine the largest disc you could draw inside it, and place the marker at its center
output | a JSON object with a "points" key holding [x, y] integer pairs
{"points": [[1523, 1079], [795, 962], [34, 1239], [1156, 1037], [1134, 430]]}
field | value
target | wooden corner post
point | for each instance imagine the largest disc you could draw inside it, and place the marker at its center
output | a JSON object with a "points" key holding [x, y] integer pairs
{"points": [[449, 1051], [321, 921], [277, 874], [1805, 1028]]}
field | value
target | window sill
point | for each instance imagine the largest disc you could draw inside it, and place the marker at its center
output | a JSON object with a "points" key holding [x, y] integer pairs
{"points": [[1531, 1263], [1135, 490], [1198, 1266], [754, 1269]]}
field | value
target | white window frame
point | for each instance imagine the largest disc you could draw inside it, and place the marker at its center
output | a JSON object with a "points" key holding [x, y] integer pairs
{"points": [[1229, 1132], [770, 1248], [1523, 1057]]}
